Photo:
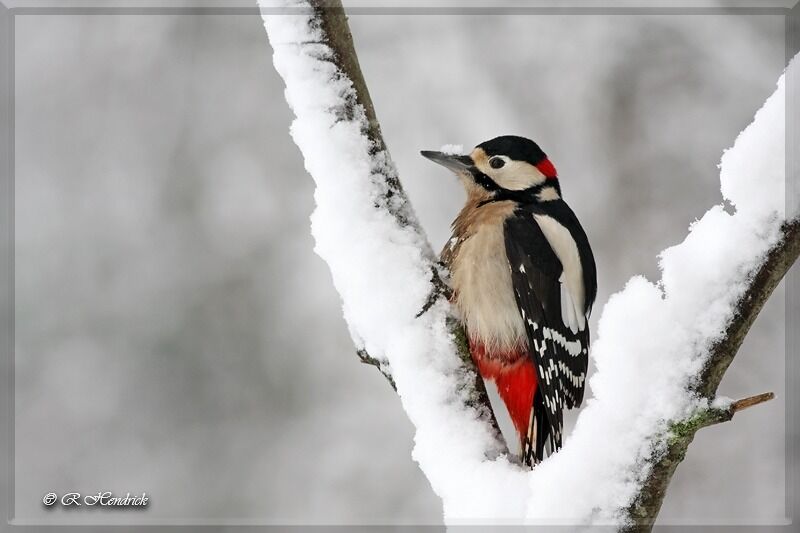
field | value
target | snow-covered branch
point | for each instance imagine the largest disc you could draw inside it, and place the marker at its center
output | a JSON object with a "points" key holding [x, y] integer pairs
{"points": [[771, 239], [661, 348], [367, 232]]}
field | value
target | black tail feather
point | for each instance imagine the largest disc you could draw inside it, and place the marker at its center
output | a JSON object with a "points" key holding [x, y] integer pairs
{"points": [[540, 441]]}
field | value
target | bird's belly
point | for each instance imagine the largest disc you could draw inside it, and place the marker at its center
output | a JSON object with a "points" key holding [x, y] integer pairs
{"points": [[484, 295]]}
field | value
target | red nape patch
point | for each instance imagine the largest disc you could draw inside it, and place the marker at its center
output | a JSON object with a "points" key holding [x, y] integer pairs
{"points": [[547, 168], [515, 376]]}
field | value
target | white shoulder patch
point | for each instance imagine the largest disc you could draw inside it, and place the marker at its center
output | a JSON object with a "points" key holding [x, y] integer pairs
{"points": [[569, 312], [572, 289]]}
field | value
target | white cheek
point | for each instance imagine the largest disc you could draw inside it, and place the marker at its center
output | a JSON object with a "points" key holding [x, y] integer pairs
{"points": [[517, 175]]}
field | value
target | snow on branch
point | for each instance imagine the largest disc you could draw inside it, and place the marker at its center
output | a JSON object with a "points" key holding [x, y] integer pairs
{"points": [[380, 261], [661, 348]]}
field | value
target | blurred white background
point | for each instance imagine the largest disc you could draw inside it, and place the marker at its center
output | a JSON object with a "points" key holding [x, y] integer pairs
{"points": [[176, 334]]}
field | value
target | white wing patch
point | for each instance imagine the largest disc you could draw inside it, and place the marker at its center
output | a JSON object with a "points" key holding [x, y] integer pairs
{"points": [[573, 293]]}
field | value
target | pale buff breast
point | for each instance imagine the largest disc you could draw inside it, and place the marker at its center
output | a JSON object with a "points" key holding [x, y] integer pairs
{"points": [[481, 278]]}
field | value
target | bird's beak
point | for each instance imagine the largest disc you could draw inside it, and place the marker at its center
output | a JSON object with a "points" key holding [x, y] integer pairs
{"points": [[454, 162]]}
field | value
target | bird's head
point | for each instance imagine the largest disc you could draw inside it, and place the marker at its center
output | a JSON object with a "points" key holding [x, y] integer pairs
{"points": [[504, 168]]}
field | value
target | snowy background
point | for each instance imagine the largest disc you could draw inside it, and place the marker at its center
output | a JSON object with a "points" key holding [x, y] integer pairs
{"points": [[175, 332]]}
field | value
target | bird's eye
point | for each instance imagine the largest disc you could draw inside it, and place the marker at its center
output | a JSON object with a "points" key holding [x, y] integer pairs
{"points": [[496, 162]]}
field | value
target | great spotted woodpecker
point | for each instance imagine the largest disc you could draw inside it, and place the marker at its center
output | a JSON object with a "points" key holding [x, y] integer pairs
{"points": [[524, 280]]}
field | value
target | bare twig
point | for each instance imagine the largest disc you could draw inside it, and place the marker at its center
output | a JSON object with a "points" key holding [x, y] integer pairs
{"points": [[710, 416], [747, 403], [367, 359]]}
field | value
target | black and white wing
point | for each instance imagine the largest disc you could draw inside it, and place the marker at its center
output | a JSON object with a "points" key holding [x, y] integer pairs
{"points": [[554, 285]]}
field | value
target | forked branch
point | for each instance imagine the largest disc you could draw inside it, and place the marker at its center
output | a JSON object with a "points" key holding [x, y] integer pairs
{"points": [[329, 18]]}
